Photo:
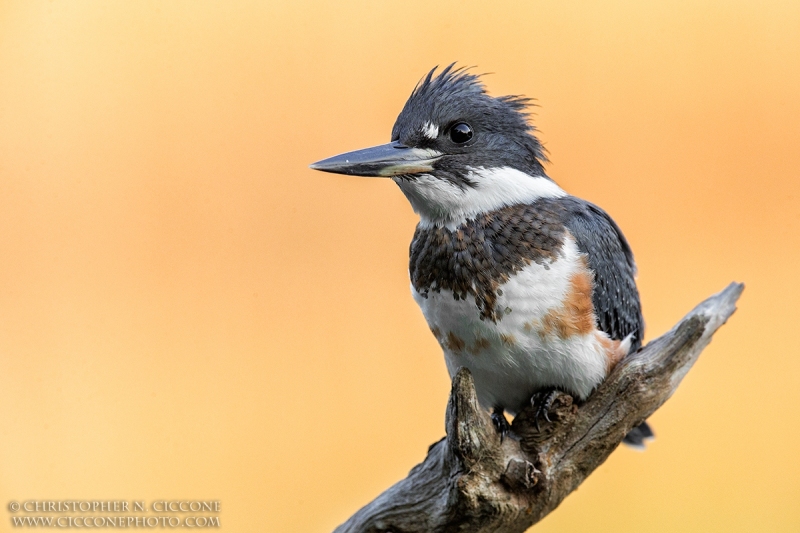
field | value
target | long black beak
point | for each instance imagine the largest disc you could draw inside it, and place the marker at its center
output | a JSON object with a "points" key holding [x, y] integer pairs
{"points": [[386, 160]]}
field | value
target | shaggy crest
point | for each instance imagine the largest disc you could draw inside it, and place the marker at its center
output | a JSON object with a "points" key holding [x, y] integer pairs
{"points": [[455, 94]]}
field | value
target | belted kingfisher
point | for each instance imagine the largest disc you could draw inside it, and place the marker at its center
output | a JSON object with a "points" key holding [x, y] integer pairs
{"points": [[528, 287]]}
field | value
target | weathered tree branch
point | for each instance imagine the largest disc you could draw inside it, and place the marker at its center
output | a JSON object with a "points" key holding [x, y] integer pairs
{"points": [[471, 481]]}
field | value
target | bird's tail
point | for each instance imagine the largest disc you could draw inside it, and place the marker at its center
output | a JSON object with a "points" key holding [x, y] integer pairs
{"points": [[638, 436]]}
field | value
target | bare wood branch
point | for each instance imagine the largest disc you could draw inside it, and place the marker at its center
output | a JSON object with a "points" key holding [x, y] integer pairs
{"points": [[471, 481]]}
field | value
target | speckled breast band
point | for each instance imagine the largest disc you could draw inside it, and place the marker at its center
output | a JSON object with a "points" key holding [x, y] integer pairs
{"points": [[481, 254]]}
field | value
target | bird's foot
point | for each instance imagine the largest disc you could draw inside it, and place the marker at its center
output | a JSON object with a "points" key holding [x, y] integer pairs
{"points": [[549, 410], [500, 423], [543, 402]]}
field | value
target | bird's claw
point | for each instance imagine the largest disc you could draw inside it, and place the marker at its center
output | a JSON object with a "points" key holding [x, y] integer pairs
{"points": [[543, 401], [500, 423]]}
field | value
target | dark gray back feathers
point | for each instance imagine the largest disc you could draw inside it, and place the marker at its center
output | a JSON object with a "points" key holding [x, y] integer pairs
{"points": [[615, 296]]}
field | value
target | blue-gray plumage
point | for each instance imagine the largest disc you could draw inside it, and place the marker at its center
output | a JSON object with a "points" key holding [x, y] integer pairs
{"points": [[530, 288], [615, 297]]}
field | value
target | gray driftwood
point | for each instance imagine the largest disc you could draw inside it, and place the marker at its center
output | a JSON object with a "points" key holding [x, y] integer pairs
{"points": [[471, 481]]}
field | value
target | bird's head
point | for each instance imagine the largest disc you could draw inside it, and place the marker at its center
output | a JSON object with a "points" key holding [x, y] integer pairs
{"points": [[456, 151]]}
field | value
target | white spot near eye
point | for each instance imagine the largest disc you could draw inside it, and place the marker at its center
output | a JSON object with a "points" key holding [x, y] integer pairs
{"points": [[431, 131]]}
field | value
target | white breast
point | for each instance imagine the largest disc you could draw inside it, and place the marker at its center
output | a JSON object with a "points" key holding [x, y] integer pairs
{"points": [[522, 352]]}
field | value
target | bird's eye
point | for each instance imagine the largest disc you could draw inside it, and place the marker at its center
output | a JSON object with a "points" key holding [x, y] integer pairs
{"points": [[461, 133]]}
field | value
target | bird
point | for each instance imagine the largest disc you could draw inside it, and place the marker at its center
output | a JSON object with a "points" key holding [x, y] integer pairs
{"points": [[530, 288]]}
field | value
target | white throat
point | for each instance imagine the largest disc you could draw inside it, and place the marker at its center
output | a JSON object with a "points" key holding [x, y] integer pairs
{"points": [[441, 203]]}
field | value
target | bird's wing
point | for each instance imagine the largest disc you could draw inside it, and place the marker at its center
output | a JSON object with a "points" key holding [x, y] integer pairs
{"points": [[615, 297]]}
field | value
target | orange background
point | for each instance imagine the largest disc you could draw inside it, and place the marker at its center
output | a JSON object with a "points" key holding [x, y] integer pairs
{"points": [[187, 311]]}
